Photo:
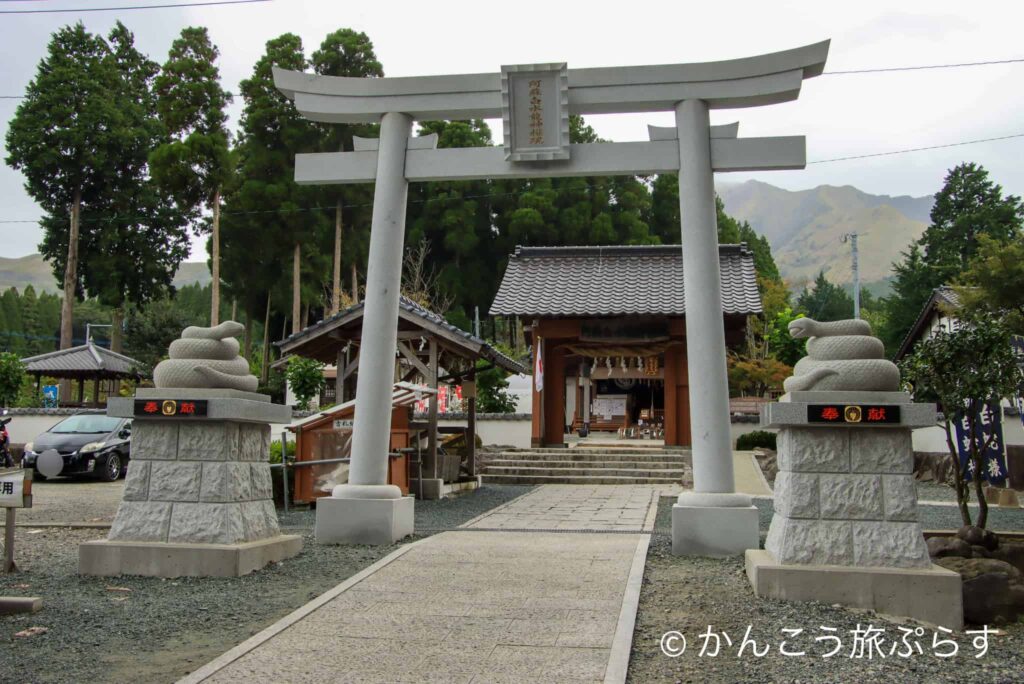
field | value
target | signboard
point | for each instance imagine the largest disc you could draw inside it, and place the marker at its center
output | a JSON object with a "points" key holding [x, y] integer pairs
{"points": [[609, 405], [535, 112], [871, 414], [170, 408], [15, 488], [344, 424], [50, 395], [988, 430]]}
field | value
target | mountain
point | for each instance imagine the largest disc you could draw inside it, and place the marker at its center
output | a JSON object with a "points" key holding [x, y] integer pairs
{"points": [[33, 270], [805, 227]]}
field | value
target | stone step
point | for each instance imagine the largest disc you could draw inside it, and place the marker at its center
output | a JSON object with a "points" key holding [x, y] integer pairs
{"points": [[578, 480], [595, 472], [564, 455], [589, 463], [606, 450]]}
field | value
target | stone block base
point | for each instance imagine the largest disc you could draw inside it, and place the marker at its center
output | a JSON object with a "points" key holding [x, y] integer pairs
{"points": [[363, 521], [713, 530], [160, 559], [932, 595], [12, 605], [435, 488]]}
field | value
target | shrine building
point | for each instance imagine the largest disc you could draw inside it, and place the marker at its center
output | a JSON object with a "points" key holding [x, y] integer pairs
{"points": [[608, 324]]}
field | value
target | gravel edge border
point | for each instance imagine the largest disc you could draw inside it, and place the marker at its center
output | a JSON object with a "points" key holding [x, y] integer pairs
{"points": [[287, 621], [622, 642]]}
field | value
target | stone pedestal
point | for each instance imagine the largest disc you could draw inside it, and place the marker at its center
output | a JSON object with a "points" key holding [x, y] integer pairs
{"points": [[713, 524], [198, 499], [845, 528]]}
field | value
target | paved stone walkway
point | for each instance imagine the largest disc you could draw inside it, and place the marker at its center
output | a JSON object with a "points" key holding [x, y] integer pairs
{"points": [[475, 605], [623, 508]]}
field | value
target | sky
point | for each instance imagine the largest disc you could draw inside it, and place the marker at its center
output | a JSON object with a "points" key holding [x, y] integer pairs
{"points": [[841, 115]]}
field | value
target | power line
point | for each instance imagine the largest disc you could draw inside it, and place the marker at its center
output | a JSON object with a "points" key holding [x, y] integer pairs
{"points": [[826, 73], [916, 149], [923, 67], [133, 7]]}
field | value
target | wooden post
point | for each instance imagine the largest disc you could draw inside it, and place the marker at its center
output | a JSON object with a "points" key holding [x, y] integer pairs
{"points": [[9, 565], [471, 425], [339, 380], [432, 383], [96, 390], [81, 391]]}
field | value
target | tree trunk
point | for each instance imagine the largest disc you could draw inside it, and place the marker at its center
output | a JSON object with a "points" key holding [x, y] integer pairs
{"points": [[264, 366], [958, 478], [234, 309], [976, 452], [70, 274], [116, 332], [296, 295], [336, 282], [247, 338], [215, 261], [70, 278], [355, 284]]}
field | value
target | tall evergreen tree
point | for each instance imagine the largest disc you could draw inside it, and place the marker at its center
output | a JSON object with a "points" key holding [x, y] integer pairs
{"points": [[65, 138], [346, 53], [826, 301], [194, 163]]}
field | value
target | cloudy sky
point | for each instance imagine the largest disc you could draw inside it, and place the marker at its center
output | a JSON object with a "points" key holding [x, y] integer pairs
{"points": [[841, 115]]}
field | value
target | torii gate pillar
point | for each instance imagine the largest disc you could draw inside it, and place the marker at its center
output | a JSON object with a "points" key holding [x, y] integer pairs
{"points": [[713, 519]]}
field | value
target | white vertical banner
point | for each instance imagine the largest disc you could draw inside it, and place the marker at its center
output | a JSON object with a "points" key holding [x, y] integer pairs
{"points": [[538, 367]]}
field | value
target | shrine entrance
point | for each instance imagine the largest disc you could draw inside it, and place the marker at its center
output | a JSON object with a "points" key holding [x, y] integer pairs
{"points": [[609, 324]]}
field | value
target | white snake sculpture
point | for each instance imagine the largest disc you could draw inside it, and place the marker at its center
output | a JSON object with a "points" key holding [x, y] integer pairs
{"points": [[841, 355], [206, 358]]}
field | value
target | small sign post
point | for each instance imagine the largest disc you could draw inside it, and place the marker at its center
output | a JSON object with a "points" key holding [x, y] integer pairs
{"points": [[15, 493]]}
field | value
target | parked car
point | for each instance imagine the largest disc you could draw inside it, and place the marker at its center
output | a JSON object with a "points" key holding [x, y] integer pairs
{"points": [[90, 443]]}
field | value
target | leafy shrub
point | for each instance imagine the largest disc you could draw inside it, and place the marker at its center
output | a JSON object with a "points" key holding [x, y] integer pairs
{"points": [[275, 450], [755, 439], [12, 376], [306, 378]]}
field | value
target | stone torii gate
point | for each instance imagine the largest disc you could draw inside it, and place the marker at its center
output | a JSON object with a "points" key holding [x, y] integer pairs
{"points": [[534, 102]]}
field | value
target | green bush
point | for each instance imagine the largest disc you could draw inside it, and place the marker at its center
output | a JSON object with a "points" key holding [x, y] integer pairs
{"points": [[12, 377], [755, 439], [275, 450], [306, 378]]}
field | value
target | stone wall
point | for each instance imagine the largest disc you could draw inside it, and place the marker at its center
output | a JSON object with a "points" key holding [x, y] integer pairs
{"points": [[197, 482], [846, 496]]}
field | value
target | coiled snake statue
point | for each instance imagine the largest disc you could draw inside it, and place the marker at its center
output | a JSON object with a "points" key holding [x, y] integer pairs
{"points": [[206, 358], [841, 355]]}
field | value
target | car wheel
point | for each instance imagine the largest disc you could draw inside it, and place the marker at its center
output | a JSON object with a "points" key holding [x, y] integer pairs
{"points": [[112, 467]]}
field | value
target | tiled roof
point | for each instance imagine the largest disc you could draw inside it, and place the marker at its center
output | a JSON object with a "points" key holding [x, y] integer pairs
{"points": [[943, 295], [88, 360], [616, 281], [486, 350]]}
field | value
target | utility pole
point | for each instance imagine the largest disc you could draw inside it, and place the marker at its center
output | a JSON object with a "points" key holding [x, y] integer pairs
{"points": [[852, 238], [476, 321]]}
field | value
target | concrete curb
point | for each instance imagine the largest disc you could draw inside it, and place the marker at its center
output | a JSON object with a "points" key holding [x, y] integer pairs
{"points": [[622, 643], [287, 621], [68, 525]]}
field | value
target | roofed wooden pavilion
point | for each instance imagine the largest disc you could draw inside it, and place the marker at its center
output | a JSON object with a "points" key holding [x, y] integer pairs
{"points": [[83, 363], [430, 351]]}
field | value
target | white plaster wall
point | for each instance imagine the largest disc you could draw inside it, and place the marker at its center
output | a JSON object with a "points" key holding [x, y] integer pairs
{"points": [[504, 432]]}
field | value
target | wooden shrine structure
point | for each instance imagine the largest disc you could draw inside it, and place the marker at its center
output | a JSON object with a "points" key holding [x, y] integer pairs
{"points": [[609, 324], [429, 351]]}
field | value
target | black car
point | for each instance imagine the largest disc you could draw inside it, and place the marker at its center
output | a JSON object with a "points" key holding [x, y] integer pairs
{"points": [[90, 443]]}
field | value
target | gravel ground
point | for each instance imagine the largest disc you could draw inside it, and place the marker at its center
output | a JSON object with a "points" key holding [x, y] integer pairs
{"points": [[67, 500], [689, 594], [147, 629], [935, 491], [932, 517]]}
